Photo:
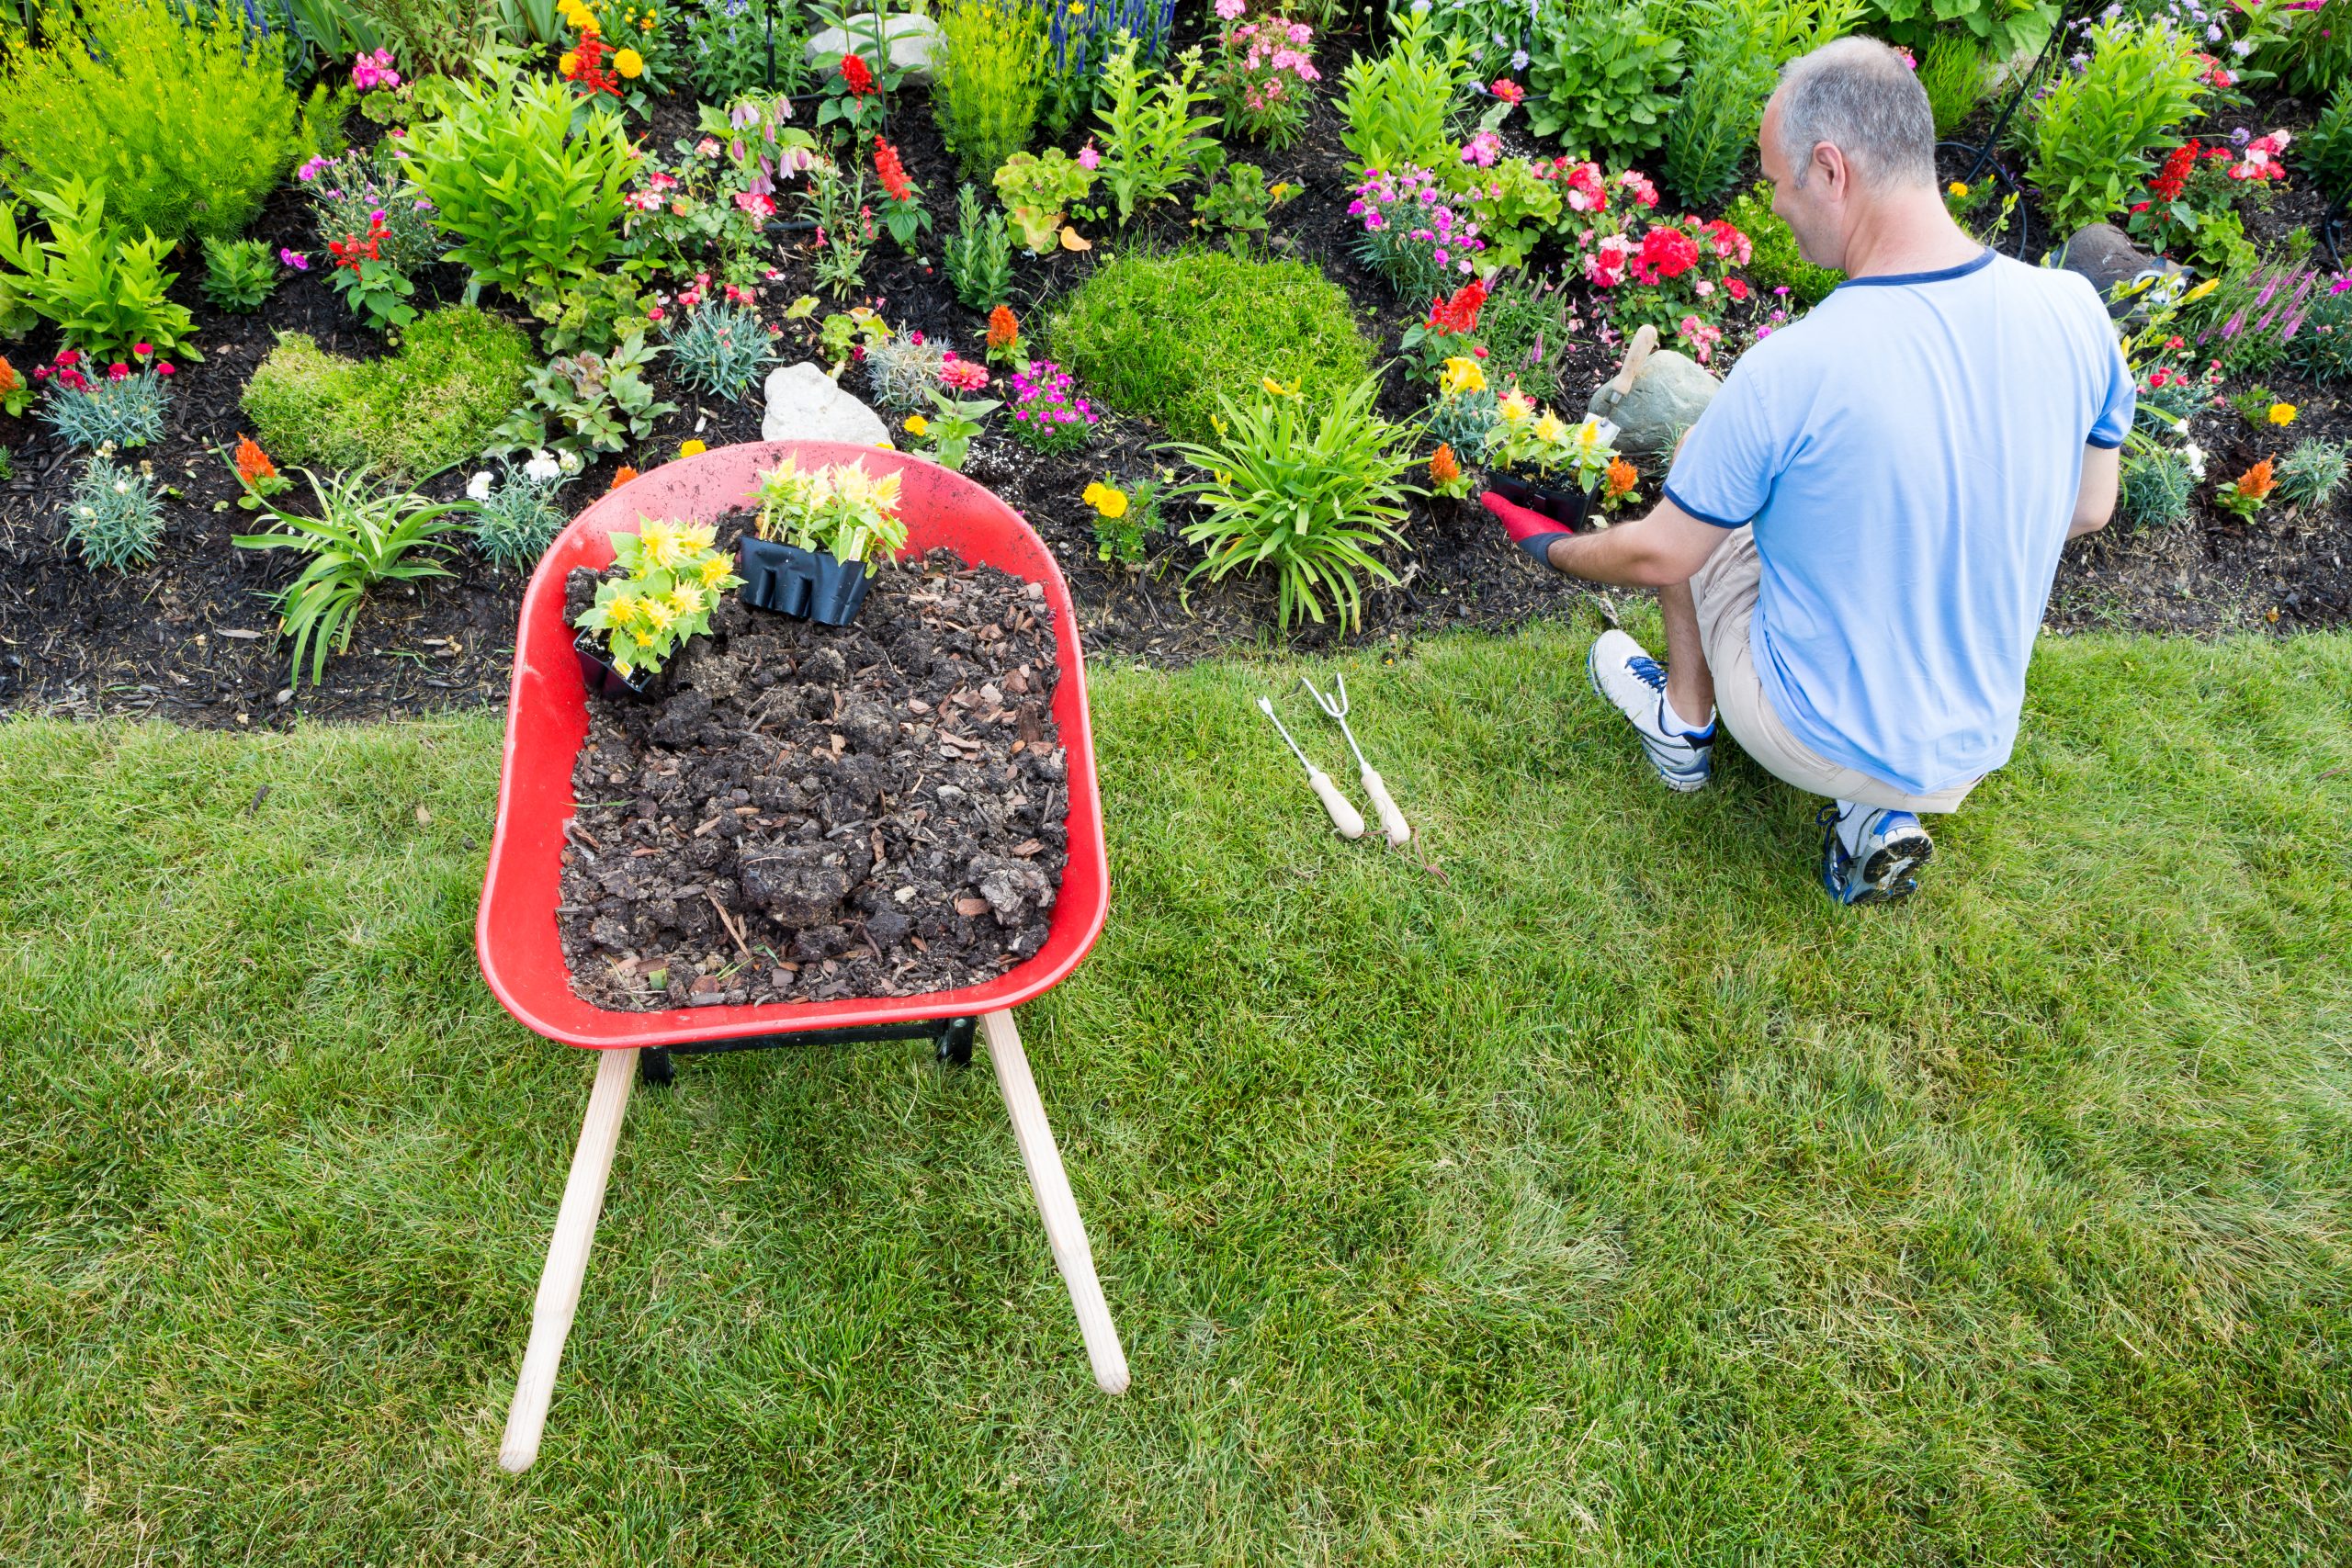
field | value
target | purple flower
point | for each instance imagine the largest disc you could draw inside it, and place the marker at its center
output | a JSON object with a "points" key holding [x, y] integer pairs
{"points": [[294, 259]]}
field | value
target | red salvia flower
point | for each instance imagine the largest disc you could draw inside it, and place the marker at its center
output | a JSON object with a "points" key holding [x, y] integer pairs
{"points": [[2175, 174], [857, 76], [892, 172]]}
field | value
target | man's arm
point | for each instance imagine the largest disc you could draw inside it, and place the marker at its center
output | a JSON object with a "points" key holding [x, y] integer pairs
{"points": [[2095, 498], [1664, 547]]}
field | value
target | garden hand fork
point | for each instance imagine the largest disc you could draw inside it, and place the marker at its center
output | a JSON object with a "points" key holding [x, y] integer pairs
{"points": [[1391, 821]]}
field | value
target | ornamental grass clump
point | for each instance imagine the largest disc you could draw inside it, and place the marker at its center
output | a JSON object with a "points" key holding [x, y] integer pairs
{"points": [[2311, 473], [180, 112], [360, 537], [2157, 484], [112, 517], [1047, 414], [903, 370], [719, 348], [675, 575], [110, 407], [1301, 494]]}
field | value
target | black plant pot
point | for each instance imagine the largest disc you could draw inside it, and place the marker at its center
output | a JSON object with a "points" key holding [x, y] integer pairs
{"points": [[794, 581], [604, 680], [1568, 508]]}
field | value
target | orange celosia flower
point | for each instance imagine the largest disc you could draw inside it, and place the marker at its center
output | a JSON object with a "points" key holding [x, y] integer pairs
{"points": [[1443, 470], [1622, 477], [621, 477], [2256, 483], [9, 380], [1004, 330], [253, 464]]}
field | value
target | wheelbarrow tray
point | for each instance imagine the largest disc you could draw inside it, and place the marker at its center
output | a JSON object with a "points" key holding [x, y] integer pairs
{"points": [[546, 717]]}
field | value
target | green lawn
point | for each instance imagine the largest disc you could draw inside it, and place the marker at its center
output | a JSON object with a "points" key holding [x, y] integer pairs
{"points": [[1611, 1200]]}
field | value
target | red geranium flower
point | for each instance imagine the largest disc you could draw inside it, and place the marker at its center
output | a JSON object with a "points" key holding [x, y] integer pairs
{"points": [[1665, 254], [1459, 314], [857, 76]]}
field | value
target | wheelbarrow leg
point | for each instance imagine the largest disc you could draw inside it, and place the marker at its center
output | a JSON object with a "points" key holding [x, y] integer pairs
{"points": [[575, 1228], [1056, 1206]]}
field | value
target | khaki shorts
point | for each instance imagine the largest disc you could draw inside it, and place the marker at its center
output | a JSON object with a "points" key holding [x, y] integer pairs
{"points": [[1724, 590]]}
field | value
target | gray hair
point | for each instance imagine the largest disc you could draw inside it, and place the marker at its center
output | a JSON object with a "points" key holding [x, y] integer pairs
{"points": [[1859, 96]]}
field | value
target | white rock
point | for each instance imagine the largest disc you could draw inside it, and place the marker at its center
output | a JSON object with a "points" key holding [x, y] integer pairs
{"points": [[912, 40], [805, 405]]}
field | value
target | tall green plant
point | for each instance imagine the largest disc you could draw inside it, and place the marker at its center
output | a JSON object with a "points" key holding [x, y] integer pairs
{"points": [[1301, 494], [2093, 130], [991, 83], [532, 202], [1712, 123], [2002, 28], [104, 291], [1151, 141], [1400, 105], [1954, 73], [184, 116]]}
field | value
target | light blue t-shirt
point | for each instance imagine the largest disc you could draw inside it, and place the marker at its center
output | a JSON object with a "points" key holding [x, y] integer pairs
{"points": [[1909, 454]]}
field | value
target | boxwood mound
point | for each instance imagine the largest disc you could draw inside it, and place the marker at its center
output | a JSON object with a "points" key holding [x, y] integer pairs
{"points": [[1162, 336], [409, 414]]}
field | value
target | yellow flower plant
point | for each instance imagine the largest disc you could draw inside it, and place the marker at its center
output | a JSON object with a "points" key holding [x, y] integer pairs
{"points": [[1461, 373], [675, 575], [839, 510], [1106, 499]]}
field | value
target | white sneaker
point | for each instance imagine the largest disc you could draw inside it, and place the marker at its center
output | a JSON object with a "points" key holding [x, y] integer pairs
{"points": [[1634, 683]]}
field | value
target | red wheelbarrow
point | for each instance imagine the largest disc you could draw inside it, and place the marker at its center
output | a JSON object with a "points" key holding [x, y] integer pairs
{"points": [[515, 938]]}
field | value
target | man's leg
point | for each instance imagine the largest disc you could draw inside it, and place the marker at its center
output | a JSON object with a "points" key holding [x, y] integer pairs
{"points": [[1672, 708], [1690, 683]]}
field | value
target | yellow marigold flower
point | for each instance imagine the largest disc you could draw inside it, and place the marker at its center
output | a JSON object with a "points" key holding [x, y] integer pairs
{"points": [[918, 425], [1957, 190], [1461, 373], [568, 64], [1107, 499], [686, 448], [630, 63], [2283, 413]]}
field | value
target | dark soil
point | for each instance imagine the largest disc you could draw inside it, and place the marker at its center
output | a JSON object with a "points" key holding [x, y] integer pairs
{"points": [[814, 812], [194, 637]]}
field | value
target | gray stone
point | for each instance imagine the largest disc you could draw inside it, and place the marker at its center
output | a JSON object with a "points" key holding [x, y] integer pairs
{"points": [[912, 39], [2105, 255], [1667, 398], [805, 405]]}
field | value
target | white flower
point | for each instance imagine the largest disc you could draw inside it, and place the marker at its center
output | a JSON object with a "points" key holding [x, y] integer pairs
{"points": [[2196, 455], [568, 461], [479, 486], [122, 487], [541, 468]]}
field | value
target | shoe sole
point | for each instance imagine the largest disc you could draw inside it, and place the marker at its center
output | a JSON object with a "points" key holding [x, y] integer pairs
{"points": [[1679, 786], [1887, 872]]}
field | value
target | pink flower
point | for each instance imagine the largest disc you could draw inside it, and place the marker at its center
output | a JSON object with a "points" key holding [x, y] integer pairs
{"points": [[1301, 34], [1228, 9], [963, 374], [653, 313], [706, 147], [142, 349], [1088, 158], [294, 259], [758, 205], [165, 368]]}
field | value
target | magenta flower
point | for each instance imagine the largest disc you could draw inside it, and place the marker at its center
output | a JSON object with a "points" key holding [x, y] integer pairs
{"points": [[294, 259]]}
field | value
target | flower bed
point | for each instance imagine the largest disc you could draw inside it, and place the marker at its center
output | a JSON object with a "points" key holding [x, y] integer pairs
{"points": [[726, 205]]}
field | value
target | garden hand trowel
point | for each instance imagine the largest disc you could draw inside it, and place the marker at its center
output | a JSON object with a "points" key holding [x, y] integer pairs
{"points": [[1344, 817]]}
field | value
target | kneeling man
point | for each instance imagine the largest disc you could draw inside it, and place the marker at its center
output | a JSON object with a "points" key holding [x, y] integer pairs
{"points": [[1857, 539]]}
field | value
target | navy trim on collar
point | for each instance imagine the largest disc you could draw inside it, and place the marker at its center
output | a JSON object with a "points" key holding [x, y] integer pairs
{"points": [[1891, 278]]}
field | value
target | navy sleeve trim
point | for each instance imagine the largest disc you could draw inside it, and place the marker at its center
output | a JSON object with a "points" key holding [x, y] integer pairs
{"points": [[1668, 492], [2093, 441]]}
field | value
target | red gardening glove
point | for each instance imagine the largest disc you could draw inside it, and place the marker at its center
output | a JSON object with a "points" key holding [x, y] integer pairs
{"points": [[1531, 531]]}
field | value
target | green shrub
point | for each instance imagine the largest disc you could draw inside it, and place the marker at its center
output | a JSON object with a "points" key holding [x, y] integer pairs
{"points": [[2093, 130], [1773, 260], [1954, 73], [187, 127], [979, 254], [990, 81], [1152, 142], [1603, 77], [434, 404], [239, 275], [1712, 123], [103, 289], [2155, 488], [531, 201], [1166, 336], [2312, 473], [2325, 150], [2002, 28], [113, 519]]}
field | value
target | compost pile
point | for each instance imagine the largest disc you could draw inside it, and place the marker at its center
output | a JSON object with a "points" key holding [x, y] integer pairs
{"points": [[814, 812]]}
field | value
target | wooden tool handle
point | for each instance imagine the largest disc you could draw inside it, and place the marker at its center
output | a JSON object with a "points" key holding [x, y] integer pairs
{"points": [[1344, 817], [1064, 1230], [1391, 821], [567, 1265], [1645, 345]]}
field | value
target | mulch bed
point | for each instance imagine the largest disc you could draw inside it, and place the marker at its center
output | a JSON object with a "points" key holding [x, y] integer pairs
{"points": [[814, 812], [193, 638]]}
